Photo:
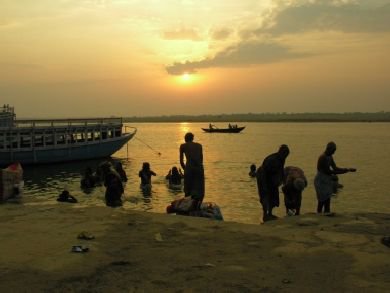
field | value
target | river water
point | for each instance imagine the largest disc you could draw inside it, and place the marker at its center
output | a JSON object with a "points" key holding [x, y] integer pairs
{"points": [[227, 158]]}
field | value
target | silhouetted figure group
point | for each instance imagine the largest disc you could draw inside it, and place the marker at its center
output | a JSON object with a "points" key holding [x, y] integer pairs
{"points": [[272, 174], [112, 176]]}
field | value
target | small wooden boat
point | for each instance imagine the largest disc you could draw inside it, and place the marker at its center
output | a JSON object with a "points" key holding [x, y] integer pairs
{"points": [[59, 140], [224, 130]]}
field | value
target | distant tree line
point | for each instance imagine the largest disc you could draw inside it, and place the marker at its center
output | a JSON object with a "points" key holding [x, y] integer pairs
{"points": [[269, 117]]}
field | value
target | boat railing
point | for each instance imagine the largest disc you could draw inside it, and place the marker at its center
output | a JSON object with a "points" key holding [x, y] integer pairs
{"points": [[130, 127], [66, 123]]}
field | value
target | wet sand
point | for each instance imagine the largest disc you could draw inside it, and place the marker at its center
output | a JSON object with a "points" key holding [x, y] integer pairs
{"points": [[146, 252]]}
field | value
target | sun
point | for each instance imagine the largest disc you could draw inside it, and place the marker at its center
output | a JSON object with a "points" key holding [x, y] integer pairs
{"points": [[187, 80], [186, 76]]}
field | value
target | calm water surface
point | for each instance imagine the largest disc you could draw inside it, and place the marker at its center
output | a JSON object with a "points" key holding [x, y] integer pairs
{"points": [[227, 158]]}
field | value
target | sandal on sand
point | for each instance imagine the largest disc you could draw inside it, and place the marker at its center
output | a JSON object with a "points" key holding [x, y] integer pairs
{"points": [[79, 248]]}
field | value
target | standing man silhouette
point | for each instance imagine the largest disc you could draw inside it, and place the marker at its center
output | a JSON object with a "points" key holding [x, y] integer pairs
{"points": [[193, 169], [325, 181]]}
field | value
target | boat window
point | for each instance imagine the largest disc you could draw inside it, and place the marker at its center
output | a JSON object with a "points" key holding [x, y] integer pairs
{"points": [[89, 135], [25, 140], [97, 135], [60, 137], [38, 139], [49, 138]]}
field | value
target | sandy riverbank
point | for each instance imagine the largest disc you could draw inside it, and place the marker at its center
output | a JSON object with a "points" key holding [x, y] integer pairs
{"points": [[145, 252]]}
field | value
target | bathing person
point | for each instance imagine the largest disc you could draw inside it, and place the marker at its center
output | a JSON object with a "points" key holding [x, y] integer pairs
{"points": [[89, 180], [114, 190], [102, 170], [66, 197], [114, 186], [193, 169], [121, 171], [324, 182], [146, 175], [174, 176], [294, 182], [252, 171], [269, 177]]}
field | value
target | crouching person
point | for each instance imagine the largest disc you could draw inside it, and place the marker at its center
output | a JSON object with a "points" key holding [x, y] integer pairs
{"points": [[294, 182]]}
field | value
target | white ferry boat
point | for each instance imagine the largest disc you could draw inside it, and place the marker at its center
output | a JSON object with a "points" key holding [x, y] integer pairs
{"points": [[59, 140]]}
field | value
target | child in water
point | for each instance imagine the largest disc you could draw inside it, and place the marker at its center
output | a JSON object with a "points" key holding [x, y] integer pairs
{"points": [[146, 176], [252, 171]]}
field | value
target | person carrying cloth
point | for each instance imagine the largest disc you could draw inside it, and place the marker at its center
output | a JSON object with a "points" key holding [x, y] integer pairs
{"points": [[324, 181]]}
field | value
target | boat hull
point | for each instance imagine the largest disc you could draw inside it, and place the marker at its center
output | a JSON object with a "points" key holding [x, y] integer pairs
{"points": [[65, 153], [223, 130]]}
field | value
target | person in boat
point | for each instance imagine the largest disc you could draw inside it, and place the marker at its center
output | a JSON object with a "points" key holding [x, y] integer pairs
{"points": [[211, 126], [326, 180], [252, 170], [175, 176], [66, 197], [146, 176], [294, 182], [269, 177], [121, 171], [88, 180], [230, 126], [194, 185]]}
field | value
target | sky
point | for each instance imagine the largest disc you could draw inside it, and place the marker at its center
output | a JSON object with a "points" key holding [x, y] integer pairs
{"points": [[94, 58]]}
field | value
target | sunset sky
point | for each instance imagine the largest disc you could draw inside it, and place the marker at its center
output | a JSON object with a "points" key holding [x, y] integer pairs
{"points": [[73, 58]]}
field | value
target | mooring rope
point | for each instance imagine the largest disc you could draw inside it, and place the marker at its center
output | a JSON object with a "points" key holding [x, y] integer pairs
{"points": [[157, 152]]}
